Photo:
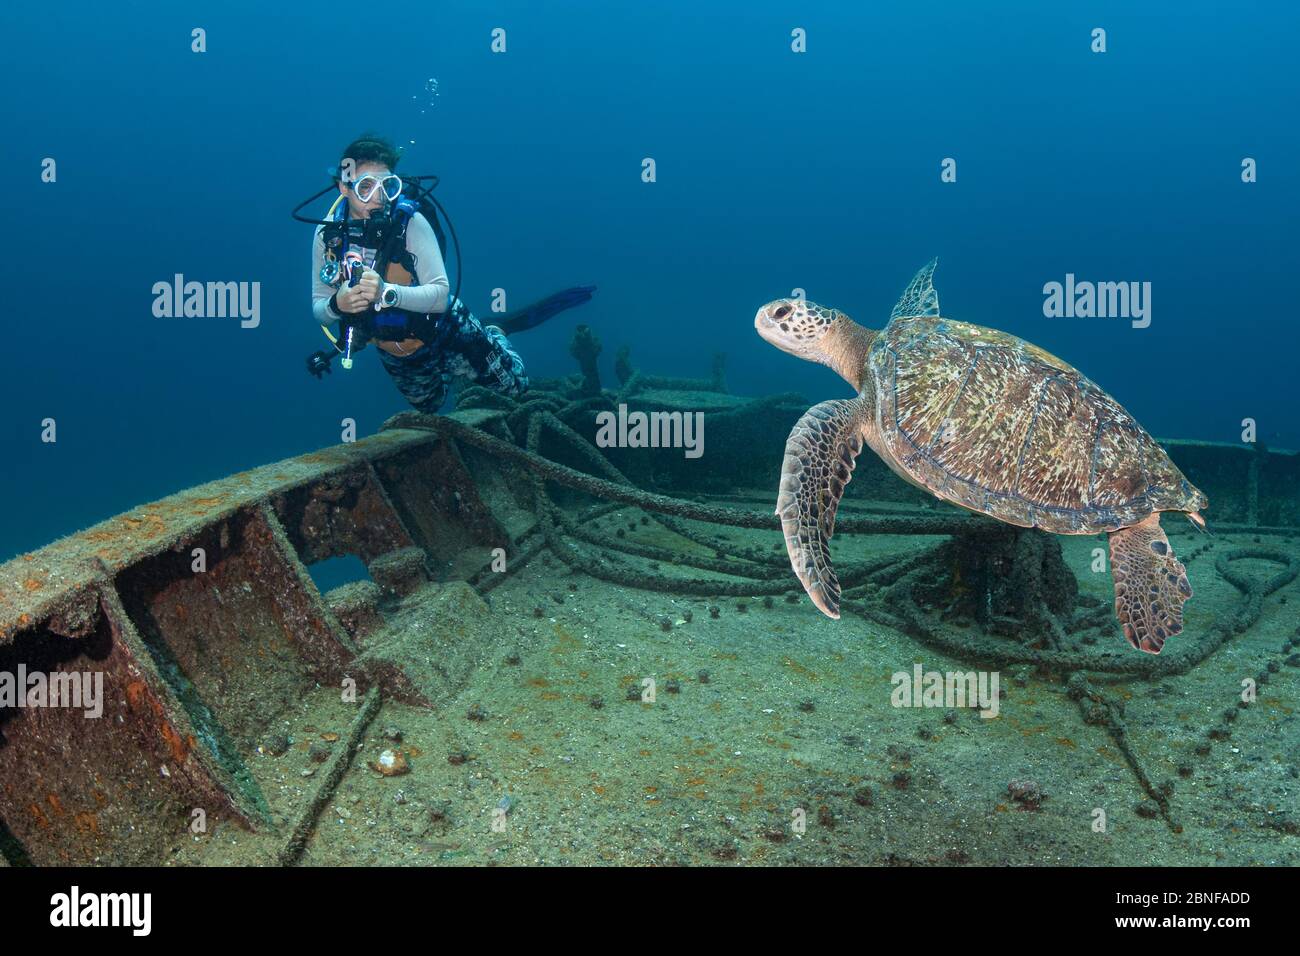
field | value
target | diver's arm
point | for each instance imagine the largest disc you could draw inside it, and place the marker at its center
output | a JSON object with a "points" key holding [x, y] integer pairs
{"points": [[432, 294], [324, 313], [320, 292]]}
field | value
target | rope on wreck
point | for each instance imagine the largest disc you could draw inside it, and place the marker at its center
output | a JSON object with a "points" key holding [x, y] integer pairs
{"points": [[662, 504], [892, 606], [867, 589]]}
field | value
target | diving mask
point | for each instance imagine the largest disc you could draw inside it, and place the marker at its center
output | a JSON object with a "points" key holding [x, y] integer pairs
{"points": [[366, 186]]}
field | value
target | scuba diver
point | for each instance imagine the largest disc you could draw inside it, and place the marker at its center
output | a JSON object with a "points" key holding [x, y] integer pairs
{"points": [[378, 274]]}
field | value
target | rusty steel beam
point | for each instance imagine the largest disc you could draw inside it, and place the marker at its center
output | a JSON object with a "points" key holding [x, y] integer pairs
{"points": [[200, 618], [120, 785], [34, 585]]}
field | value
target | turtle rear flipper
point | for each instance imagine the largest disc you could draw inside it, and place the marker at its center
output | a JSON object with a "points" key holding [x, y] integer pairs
{"points": [[819, 458], [1151, 584]]}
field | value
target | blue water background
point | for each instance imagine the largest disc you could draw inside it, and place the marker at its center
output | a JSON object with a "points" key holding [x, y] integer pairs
{"points": [[775, 170]]}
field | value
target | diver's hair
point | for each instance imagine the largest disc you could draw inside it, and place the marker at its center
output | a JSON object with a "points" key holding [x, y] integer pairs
{"points": [[371, 148]]}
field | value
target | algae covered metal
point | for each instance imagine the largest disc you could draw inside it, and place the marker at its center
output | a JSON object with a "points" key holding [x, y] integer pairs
{"points": [[564, 653]]}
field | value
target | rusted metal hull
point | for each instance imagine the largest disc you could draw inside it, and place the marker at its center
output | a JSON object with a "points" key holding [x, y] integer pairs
{"points": [[200, 618]]}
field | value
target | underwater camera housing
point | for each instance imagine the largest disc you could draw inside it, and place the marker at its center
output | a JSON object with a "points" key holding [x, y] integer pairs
{"points": [[384, 231]]}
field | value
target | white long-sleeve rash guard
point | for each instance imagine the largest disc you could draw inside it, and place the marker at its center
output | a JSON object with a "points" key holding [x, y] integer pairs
{"points": [[430, 295]]}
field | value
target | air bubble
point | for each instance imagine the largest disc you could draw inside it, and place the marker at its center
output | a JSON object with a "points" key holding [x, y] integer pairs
{"points": [[429, 99]]}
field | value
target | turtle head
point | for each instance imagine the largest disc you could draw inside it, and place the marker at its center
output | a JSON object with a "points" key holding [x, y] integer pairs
{"points": [[796, 326], [817, 334]]}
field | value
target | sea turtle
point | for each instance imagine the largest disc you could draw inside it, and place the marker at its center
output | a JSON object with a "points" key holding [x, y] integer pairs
{"points": [[986, 421]]}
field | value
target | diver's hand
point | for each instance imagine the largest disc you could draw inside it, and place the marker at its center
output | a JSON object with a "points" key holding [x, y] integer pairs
{"points": [[352, 299], [349, 300], [369, 286]]}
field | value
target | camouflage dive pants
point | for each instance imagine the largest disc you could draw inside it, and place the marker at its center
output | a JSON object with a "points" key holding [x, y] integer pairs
{"points": [[465, 353]]}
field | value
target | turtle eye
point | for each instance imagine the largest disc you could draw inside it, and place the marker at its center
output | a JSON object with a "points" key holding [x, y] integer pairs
{"points": [[782, 312]]}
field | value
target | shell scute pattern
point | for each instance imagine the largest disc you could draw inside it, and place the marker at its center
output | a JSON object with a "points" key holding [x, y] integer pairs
{"points": [[995, 424]]}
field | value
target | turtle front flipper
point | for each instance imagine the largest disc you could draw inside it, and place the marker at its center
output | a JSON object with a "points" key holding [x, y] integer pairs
{"points": [[819, 458], [1151, 584]]}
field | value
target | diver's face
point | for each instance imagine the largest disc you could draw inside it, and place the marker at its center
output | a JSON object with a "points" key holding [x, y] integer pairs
{"points": [[363, 171]]}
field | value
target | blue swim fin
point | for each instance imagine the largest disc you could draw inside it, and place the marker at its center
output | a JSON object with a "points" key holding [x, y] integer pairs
{"points": [[531, 316]]}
